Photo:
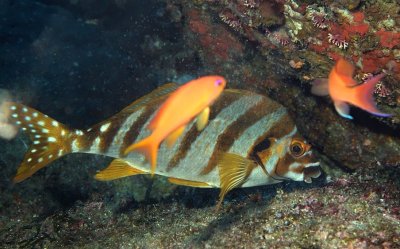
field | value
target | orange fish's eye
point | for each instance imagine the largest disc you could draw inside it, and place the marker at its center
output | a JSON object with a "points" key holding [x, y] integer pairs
{"points": [[219, 82], [297, 148]]}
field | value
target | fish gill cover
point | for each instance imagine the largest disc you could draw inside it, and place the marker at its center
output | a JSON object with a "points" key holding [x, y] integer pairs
{"points": [[81, 61]]}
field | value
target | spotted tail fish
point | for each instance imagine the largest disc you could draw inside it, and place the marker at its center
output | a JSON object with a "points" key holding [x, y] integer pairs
{"points": [[250, 140]]}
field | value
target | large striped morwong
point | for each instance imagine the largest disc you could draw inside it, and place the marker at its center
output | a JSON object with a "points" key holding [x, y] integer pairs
{"points": [[250, 140]]}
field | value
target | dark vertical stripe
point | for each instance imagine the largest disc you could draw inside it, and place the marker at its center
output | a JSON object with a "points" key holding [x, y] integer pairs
{"points": [[107, 137], [236, 129], [281, 128], [225, 100], [136, 127]]}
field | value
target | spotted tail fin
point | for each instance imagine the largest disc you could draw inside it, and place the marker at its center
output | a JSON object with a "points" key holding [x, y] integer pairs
{"points": [[50, 139]]}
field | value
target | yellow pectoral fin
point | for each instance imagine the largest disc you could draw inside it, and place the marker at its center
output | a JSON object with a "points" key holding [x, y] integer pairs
{"points": [[188, 183], [202, 119], [171, 139], [117, 169], [233, 172]]}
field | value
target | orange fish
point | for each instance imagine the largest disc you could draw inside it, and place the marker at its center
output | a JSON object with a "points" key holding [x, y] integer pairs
{"points": [[188, 101], [344, 90]]}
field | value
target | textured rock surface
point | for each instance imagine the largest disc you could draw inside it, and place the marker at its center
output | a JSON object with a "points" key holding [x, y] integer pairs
{"points": [[80, 64]]}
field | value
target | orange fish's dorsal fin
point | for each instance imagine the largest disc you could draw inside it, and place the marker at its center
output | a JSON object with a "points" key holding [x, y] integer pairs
{"points": [[346, 71], [155, 96], [50, 139], [233, 172], [202, 119], [118, 169], [188, 183], [171, 139]]}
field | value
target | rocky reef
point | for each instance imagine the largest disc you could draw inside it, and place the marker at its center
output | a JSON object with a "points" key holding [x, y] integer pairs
{"points": [[81, 61]]}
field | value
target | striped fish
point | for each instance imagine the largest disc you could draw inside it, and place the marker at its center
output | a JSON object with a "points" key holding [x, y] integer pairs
{"points": [[250, 141]]}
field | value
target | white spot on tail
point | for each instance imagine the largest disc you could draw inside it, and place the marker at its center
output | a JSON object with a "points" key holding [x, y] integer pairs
{"points": [[52, 139], [62, 132], [79, 132], [36, 142], [41, 123], [27, 118], [29, 159], [104, 127], [14, 115], [13, 107], [35, 114], [33, 151], [24, 109], [40, 160], [45, 131], [54, 123]]}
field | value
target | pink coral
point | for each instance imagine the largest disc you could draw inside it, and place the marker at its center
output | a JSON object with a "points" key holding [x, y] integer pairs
{"points": [[338, 40], [319, 20]]}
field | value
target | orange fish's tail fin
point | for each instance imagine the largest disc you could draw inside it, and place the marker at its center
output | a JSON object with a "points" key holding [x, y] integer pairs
{"points": [[50, 139], [364, 97], [148, 147]]}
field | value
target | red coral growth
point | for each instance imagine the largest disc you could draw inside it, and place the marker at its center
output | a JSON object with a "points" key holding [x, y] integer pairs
{"points": [[388, 39], [358, 17], [374, 61], [196, 24], [360, 29], [358, 26], [347, 30], [216, 41]]}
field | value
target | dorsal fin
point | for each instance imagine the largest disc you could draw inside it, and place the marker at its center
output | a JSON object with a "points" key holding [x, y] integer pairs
{"points": [[154, 96], [346, 71]]}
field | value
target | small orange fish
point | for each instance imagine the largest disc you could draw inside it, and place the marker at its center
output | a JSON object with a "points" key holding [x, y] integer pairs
{"points": [[344, 90], [188, 101]]}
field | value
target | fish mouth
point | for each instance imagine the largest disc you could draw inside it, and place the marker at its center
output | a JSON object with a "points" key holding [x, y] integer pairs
{"points": [[312, 170]]}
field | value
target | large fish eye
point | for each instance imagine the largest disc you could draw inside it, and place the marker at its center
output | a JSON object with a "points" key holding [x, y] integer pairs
{"points": [[297, 148]]}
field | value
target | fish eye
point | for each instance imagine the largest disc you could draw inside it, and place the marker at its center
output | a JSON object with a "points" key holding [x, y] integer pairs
{"points": [[297, 149], [218, 83]]}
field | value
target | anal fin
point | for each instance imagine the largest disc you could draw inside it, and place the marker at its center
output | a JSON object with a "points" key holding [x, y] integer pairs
{"points": [[233, 172], [171, 139], [118, 169], [188, 183]]}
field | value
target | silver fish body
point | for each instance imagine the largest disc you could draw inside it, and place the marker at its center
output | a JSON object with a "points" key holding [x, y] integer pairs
{"points": [[250, 140]]}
